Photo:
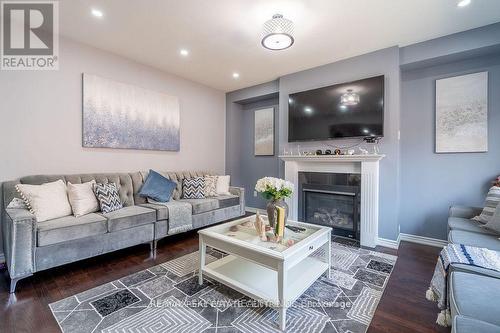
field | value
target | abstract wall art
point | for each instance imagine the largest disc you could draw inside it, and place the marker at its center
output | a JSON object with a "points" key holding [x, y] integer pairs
{"points": [[118, 115], [264, 132], [462, 114]]}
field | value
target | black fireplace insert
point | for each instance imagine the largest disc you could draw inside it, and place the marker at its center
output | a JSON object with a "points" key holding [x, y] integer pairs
{"points": [[331, 199]]}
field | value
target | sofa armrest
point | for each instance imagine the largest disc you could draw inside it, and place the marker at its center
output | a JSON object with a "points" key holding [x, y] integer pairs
{"points": [[465, 212], [240, 192], [19, 236]]}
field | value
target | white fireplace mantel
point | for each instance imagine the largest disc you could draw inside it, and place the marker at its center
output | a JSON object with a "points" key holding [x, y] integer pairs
{"points": [[366, 165]]}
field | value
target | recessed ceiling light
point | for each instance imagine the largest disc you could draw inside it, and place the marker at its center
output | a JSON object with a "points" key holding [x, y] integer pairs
{"points": [[97, 12], [236, 75], [307, 109], [463, 3], [184, 52]]}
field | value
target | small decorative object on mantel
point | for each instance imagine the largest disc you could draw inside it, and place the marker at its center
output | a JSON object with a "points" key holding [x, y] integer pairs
{"points": [[275, 190], [337, 152], [496, 182]]}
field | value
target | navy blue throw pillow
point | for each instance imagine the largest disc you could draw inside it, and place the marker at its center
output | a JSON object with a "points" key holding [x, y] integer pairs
{"points": [[157, 187]]}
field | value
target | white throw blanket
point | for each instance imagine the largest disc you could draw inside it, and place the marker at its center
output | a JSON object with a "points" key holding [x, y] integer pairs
{"points": [[457, 254]]}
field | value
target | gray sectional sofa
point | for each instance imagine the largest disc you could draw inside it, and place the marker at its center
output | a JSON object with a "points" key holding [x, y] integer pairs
{"points": [[473, 292], [30, 247]]}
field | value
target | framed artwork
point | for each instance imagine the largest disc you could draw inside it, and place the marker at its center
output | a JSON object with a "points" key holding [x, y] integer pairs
{"points": [[462, 114], [119, 115], [264, 132]]}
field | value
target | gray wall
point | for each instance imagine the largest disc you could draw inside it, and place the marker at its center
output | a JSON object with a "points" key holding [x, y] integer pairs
{"points": [[384, 62], [431, 182], [41, 112], [241, 164], [254, 167]]}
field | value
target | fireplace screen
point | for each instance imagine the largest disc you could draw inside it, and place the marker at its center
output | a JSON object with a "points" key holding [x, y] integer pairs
{"points": [[333, 210]]}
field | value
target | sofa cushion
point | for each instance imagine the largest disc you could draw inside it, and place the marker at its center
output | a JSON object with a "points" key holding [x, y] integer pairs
{"points": [[463, 324], [474, 239], [474, 296], [161, 210], [202, 205], [457, 223], [492, 201], [228, 200], [69, 228], [129, 217], [455, 267]]}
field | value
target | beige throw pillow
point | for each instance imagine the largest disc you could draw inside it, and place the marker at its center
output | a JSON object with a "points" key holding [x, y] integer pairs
{"points": [[223, 185], [210, 186], [82, 198], [47, 201]]}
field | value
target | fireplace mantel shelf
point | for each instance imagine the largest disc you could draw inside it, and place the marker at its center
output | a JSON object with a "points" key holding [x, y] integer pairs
{"points": [[332, 158]]}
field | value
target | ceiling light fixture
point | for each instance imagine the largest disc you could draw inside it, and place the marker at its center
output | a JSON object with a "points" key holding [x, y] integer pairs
{"points": [[184, 52], [463, 3], [97, 13], [236, 75], [277, 33], [349, 98]]}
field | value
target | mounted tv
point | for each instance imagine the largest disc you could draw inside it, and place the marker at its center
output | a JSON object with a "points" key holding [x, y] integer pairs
{"points": [[347, 110]]}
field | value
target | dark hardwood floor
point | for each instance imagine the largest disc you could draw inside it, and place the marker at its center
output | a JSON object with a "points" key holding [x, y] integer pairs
{"points": [[403, 307]]}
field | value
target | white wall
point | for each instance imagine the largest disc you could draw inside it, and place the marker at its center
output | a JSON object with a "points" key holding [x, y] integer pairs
{"points": [[41, 119]]}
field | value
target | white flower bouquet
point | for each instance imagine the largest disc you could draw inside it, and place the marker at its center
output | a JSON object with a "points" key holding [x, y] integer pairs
{"points": [[274, 188]]}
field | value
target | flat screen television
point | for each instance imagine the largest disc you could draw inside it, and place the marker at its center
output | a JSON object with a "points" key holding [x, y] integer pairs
{"points": [[347, 110]]}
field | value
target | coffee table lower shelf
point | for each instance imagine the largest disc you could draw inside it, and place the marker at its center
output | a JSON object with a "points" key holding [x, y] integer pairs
{"points": [[261, 283]]}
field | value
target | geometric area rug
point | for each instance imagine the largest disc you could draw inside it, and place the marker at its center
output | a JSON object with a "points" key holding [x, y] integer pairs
{"points": [[167, 298]]}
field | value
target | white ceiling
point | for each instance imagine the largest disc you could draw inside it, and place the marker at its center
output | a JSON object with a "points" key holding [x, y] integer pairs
{"points": [[223, 36]]}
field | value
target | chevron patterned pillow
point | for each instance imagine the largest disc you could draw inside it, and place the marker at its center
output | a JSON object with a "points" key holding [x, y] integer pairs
{"points": [[193, 188], [108, 197]]}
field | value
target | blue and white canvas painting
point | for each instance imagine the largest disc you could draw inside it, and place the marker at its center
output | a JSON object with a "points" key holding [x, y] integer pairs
{"points": [[118, 115]]}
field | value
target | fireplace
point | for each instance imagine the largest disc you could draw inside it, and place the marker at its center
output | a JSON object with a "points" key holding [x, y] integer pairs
{"points": [[331, 199]]}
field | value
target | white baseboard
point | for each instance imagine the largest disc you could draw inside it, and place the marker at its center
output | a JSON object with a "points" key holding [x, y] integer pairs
{"points": [[423, 240], [392, 244]]}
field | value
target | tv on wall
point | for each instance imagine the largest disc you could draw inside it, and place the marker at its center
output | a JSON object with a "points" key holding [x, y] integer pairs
{"points": [[347, 110]]}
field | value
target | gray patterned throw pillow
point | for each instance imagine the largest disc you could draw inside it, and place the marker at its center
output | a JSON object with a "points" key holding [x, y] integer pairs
{"points": [[108, 197], [193, 188], [494, 223], [492, 201]]}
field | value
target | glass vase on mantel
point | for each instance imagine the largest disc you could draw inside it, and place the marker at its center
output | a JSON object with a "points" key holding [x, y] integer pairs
{"points": [[271, 211]]}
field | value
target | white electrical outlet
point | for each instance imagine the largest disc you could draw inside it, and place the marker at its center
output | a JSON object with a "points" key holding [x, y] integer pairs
{"points": [[254, 193]]}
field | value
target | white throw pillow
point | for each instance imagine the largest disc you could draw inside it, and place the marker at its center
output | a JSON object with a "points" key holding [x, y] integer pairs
{"points": [[47, 201], [223, 185], [82, 198]]}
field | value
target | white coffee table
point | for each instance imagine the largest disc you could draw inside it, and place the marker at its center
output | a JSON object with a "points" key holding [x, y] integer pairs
{"points": [[269, 272]]}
